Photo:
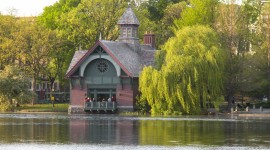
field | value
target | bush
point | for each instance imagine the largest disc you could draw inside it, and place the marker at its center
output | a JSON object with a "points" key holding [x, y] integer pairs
{"points": [[5, 104]]}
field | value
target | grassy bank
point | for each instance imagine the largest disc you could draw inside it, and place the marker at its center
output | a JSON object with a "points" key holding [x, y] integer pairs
{"points": [[44, 108]]}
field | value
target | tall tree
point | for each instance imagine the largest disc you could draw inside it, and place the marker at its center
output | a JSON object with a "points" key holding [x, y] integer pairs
{"points": [[191, 77], [59, 61], [82, 21], [157, 17], [52, 15], [171, 13], [157, 8], [32, 44], [198, 12], [93, 18], [235, 24], [7, 27]]}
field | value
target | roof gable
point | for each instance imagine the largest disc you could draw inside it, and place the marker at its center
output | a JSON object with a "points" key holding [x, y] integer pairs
{"points": [[126, 56], [80, 56]]}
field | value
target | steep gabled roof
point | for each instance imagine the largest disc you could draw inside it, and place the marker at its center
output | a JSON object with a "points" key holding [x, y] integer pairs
{"points": [[76, 58], [125, 55], [128, 18], [122, 53]]}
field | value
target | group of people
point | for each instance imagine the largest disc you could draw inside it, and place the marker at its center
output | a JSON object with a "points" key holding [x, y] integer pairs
{"points": [[87, 99]]}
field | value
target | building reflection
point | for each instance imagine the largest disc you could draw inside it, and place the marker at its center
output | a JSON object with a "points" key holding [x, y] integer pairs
{"points": [[103, 131]]}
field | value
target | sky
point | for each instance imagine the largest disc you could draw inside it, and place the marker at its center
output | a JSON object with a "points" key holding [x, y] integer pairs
{"points": [[24, 7]]}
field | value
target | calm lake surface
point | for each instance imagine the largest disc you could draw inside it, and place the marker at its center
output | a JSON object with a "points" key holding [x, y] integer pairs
{"points": [[61, 131]]}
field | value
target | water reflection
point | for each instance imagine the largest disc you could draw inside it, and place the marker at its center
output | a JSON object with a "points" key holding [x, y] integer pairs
{"points": [[104, 131], [204, 132], [96, 130], [23, 129]]}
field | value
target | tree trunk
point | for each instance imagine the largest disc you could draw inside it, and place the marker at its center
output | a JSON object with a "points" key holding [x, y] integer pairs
{"points": [[34, 90], [268, 46], [230, 98], [51, 82]]}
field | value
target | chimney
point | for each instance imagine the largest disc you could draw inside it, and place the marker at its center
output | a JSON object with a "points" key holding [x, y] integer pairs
{"points": [[149, 39]]}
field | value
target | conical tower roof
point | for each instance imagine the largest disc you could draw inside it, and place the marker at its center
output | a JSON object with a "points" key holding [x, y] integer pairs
{"points": [[128, 18]]}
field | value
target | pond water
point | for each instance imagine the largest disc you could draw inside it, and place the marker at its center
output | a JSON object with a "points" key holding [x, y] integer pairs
{"points": [[61, 131]]}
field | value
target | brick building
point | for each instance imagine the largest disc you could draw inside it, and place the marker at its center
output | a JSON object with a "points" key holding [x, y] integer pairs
{"points": [[111, 68]]}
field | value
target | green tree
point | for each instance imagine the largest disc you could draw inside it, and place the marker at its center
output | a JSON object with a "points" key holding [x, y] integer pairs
{"points": [[52, 15], [198, 12], [157, 17], [98, 17], [253, 77], [165, 27], [7, 27], [14, 85], [146, 24], [81, 22], [265, 28], [60, 56], [32, 44], [191, 77], [157, 8], [236, 25]]}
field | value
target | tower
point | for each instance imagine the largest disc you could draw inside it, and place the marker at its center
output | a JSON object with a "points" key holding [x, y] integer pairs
{"points": [[129, 24]]}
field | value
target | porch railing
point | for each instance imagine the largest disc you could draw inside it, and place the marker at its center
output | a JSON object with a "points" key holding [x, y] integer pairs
{"points": [[100, 106]]}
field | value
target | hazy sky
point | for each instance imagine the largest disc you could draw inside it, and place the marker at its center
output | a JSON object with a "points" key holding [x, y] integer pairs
{"points": [[25, 7]]}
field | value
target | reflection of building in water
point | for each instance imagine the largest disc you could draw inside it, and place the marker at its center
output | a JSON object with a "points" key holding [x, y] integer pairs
{"points": [[105, 131]]}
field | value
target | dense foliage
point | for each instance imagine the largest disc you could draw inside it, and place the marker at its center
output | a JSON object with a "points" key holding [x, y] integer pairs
{"points": [[192, 74], [14, 88]]}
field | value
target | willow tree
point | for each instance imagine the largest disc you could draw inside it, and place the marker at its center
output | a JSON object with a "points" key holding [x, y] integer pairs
{"points": [[191, 77]]}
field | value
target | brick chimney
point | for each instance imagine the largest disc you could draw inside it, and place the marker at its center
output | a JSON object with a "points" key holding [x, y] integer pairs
{"points": [[149, 39]]}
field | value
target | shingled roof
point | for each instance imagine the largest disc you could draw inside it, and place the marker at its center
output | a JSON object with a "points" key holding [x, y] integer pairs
{"points": [[76, 58], [128, 18], [122, 53]]}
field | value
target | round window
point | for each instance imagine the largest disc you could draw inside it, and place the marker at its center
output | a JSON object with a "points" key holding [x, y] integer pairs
{"points": [[102, 66]]}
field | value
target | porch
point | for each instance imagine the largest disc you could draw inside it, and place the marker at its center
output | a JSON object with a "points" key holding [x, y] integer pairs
{"points": [[100, 106]]}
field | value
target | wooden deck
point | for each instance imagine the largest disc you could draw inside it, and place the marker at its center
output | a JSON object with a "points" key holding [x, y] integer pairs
{"points": [[100, 106]]}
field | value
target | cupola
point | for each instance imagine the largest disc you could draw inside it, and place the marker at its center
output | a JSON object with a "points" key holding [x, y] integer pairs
{"points": [[129, 24]]}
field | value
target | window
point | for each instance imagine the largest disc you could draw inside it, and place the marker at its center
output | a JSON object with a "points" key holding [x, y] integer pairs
{"points": [[135, 33], [102, 66], [129, 32], [124, 32]]}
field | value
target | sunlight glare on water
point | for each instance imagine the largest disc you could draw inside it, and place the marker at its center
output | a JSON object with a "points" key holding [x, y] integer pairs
{"points": [[117, 117]]}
